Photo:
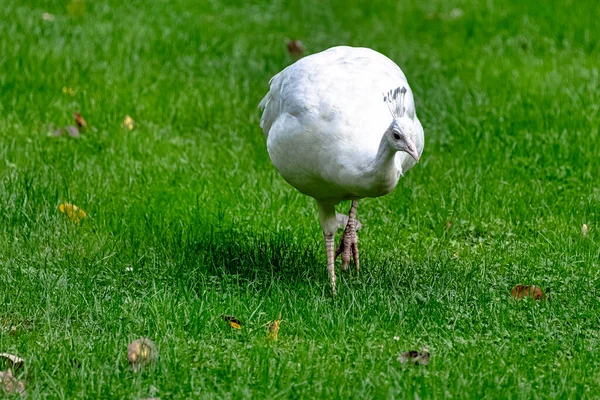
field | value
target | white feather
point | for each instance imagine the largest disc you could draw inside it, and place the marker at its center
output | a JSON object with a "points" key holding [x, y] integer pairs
{"points": [[324, 118]]}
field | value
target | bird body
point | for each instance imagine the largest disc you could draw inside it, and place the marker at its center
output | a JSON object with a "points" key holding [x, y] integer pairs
{"points": [[341, 125]]}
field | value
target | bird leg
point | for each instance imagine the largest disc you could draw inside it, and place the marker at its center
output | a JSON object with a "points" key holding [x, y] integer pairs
{"points": [[329, 247], [349, 241], [329, 224]]}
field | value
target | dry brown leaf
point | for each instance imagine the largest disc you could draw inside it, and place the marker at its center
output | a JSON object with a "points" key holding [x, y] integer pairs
{"points": [[232, 321], [415, 357], [72, 211], [532, 291], [141, 352], [129, 123], [9, 384], [79, 121], [448, 225], [274, 328], [295, 48]]}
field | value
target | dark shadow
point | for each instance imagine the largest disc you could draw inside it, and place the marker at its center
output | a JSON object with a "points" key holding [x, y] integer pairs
{"points": [[260, 259]]}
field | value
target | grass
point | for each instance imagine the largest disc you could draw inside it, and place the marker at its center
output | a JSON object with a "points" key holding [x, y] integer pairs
{"points": [[189, 220]]}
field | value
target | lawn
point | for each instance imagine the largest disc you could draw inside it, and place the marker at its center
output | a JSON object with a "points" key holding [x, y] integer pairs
{"points": [[188, 220]]}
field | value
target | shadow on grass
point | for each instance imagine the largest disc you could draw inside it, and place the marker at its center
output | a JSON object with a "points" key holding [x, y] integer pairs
{"points": [[261, 261], [243, 257]]}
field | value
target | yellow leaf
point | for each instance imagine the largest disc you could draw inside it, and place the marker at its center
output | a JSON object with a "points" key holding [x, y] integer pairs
{"points": [[274, 328], [232, 321], [69, 91], [76, 8], [72, 211], [129, 123]]}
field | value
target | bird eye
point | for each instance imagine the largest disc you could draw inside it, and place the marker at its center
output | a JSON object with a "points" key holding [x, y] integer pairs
{"points": [[396, 135]]}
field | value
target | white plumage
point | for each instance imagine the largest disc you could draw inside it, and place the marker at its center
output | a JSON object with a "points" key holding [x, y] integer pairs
{"points": [[342, 125]]}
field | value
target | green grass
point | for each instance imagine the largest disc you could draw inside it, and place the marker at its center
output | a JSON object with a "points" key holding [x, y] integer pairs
{"points": [[189, 220]]}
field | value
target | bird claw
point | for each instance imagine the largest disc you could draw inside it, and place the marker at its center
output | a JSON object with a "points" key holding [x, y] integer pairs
{"points": [[348, 248]]}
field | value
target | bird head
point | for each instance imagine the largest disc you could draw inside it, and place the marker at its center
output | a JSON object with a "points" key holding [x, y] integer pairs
{"points": [[401, 136], [401, 133]]}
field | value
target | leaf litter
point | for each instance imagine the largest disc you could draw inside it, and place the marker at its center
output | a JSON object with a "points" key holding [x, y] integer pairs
{"points": [[273, 332], [141, 352], [71, 130], [9, 383], [295, 48], [232, 321], [415, 357], [73, 212], [531, 291], [128, 123]]}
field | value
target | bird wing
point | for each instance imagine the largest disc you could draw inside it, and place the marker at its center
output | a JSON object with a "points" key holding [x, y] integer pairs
{"points": [[342, 84]]}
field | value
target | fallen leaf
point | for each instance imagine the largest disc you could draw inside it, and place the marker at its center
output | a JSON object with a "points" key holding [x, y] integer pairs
{"points": [[584, 230], [72, 211], [532, 291], [9, 384], [141, 352], [274, 328], [129, 123], [69, 91], [76, 8], [79, 121], [295, 48], [415, 357], [233, 321], [15, 362], [448, 225]]}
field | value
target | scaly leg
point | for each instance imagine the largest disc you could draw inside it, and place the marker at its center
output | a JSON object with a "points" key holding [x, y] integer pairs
{"points": [[329, 247], [329, 224], [349, 241]]}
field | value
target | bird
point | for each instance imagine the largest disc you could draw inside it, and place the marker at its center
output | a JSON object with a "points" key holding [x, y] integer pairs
{"points": [[341, 125]]}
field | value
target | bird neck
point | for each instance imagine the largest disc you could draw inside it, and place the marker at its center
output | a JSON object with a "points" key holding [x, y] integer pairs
{"points": [[383, 168]]}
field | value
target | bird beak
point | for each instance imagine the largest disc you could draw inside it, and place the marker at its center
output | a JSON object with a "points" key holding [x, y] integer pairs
{"points": [[412, 150]]}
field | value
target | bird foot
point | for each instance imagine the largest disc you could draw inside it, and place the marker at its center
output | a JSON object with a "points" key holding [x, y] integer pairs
{"points": [[348, 246]]}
